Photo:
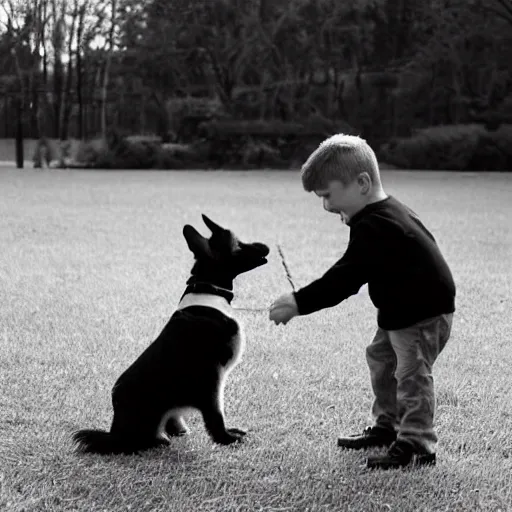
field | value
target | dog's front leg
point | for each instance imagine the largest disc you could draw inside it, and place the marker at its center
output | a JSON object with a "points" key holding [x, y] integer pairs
{"points": [[215, 424], [176, 426]]}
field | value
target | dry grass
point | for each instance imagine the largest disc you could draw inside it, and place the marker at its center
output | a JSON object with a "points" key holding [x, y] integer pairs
{"points": [[92, 265]]}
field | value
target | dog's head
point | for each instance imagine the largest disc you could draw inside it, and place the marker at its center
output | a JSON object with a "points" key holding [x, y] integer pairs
{"points": [[223, 252]]}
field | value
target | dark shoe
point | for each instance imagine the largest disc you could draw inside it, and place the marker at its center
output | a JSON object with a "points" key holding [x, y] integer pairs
{"points": [[401, 454], [371, 437]]}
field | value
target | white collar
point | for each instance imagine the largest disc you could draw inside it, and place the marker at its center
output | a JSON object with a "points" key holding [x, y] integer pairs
{"points": [[206, 299]]}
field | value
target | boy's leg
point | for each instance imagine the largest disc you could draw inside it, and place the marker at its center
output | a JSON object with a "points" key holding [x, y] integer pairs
{"points": [[382, 362], [417, 348]]}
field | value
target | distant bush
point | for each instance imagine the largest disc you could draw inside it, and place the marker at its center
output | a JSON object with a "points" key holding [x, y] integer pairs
{"points": [[155, 139], [453, 147], [493, 151], [259, 154], [272, 143], [218, 144], [122, 153], [139, 152], [88, 152], [182, 156], [117, 153]]}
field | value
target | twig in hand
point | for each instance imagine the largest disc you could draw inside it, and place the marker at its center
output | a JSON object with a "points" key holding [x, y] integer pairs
{"points": [[288, 276], [286, 269]]}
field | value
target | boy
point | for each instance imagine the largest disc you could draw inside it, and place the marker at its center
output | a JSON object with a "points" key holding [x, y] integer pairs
{"points": [[409, 283]]}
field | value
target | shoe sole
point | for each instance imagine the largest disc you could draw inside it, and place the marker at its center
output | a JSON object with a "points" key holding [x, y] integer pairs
{"points": [[428, 459], [347, 446]]}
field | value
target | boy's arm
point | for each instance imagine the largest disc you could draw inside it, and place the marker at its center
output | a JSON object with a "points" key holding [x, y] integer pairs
{"points": [[344, 278]]}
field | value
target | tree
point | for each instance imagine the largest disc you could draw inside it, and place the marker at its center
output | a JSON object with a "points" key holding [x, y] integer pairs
{"points": [[106, 73]]}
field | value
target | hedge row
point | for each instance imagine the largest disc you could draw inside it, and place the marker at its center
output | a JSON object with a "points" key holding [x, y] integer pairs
{"points": [[237, 145], [456, 147], [218, 144]]}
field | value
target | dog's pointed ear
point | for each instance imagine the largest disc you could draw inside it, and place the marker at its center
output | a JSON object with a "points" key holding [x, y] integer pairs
{"points": [[211, 225], [196, 242]]}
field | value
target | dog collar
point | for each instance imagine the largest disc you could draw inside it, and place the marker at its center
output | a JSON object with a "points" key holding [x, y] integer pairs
{"points": [[209, 288]]}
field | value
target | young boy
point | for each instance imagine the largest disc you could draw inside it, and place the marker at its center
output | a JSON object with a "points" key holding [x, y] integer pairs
{"points": [[409, 283]]}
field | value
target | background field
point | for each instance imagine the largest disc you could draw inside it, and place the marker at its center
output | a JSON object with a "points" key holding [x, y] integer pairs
{"points": [[92, 265]]}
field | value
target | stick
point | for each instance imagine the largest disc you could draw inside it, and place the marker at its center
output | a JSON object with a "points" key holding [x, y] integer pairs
{"points": [[288, 276], [286, 269]]}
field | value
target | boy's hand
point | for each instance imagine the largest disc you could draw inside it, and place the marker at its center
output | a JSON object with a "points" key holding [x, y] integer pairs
{"points": [[283, 309]]}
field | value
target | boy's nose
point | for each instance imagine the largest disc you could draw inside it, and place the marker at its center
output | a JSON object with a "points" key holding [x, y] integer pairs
{"points": [[328, 207]]}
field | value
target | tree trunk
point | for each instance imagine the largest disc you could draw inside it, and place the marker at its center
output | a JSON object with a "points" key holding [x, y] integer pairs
{"points": [[106, 74], [67, 101], [79, 73], [58, 68], [19, 133], [43, 43]]}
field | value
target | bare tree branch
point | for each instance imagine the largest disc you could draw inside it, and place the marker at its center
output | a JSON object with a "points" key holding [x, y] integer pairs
{"points": [[505, 14], [507, 5]]}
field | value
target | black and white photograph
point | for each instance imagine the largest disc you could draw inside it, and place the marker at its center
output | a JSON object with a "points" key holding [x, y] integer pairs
{"points": [[256, 255]]}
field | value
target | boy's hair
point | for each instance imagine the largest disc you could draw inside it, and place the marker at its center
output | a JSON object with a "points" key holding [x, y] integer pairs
{"points": [[342, 158]]}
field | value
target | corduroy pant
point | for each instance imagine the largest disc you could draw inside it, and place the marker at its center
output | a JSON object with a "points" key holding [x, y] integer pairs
{"points": [[400, 365]]}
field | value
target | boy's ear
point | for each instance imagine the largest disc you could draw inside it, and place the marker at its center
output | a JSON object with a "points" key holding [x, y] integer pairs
{"points": [[196, 242], [365, 182]]}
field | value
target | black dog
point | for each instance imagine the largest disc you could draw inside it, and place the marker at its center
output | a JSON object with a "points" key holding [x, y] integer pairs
{"points": [[187, 365]]}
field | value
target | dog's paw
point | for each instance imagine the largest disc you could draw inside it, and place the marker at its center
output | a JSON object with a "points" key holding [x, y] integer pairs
{"points": [[232, 435], [178, 433]]}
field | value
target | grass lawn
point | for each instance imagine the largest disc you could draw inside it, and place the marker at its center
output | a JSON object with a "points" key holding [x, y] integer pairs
{"points": [[92, 265]]}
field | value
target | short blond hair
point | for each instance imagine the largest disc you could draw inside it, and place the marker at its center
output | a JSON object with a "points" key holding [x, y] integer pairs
{"points": [[342, 158]]}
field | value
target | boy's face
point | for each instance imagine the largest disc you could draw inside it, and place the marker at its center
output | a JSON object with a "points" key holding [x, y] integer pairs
{"points": [[344, 200]]}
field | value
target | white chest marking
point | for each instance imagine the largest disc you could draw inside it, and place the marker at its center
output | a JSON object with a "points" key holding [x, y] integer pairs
{"points": [[205, 299]]}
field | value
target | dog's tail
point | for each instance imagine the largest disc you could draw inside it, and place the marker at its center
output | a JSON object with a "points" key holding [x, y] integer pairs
{"points": [[114, 443], [97, 441]]}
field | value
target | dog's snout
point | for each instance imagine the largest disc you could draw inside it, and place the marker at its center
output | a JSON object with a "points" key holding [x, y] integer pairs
{"points": [[262, 248]]}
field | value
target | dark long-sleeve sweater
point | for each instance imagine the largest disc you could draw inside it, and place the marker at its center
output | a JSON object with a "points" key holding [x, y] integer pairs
{"points": [[391, 250]]}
